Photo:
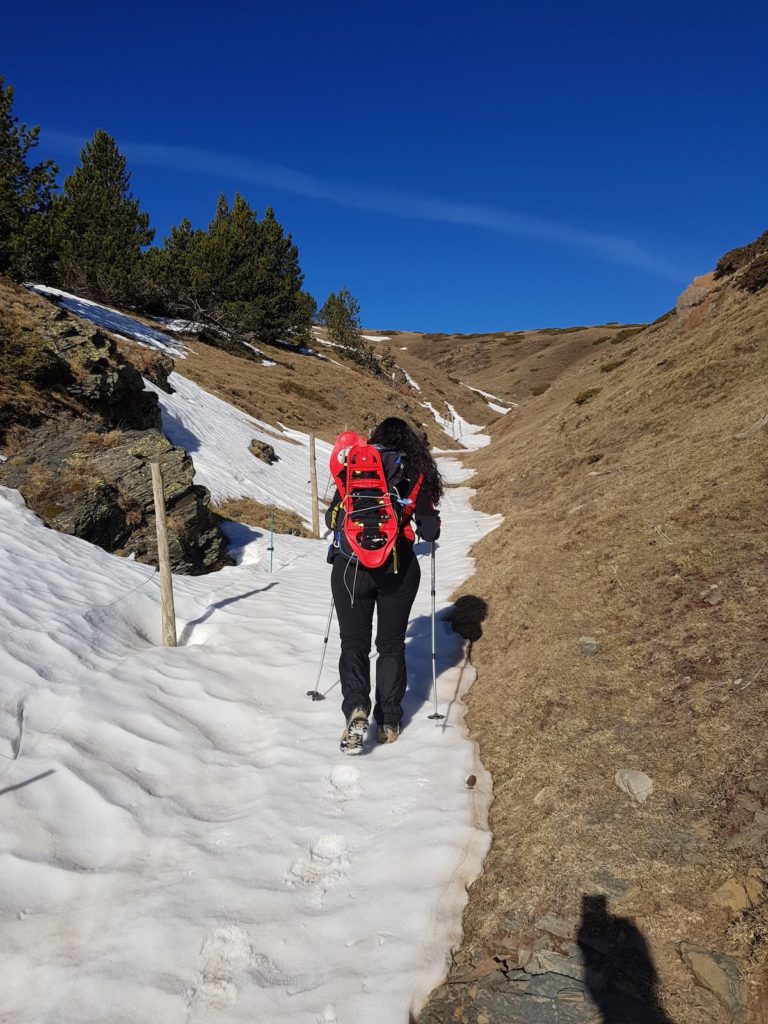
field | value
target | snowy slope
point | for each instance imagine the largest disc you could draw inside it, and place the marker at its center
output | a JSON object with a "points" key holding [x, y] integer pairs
{"points": [[469, 435], [217, 436], [112, 320], [493, 401], [181, 840]]}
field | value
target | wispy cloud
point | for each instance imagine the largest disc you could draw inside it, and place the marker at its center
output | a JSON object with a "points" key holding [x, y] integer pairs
{"points": [[188, 160]]}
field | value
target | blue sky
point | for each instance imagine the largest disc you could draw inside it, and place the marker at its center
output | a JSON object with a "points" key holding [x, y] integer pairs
{"points": [[457, 166]]}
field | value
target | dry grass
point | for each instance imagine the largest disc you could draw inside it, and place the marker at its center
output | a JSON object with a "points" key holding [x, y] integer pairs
{"points": [[306, 392], [254, 513], [483, 361], [623, 552], [100, 441]]}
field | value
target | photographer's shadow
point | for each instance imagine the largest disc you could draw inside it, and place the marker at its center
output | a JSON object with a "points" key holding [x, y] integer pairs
{"points": [[619, 971]]}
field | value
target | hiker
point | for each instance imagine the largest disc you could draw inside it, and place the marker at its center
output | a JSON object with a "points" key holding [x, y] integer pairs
{"points": [[390, 583]]}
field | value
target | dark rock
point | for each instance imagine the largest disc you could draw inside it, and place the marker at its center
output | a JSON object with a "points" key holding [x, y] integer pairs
{"points": [[556, 926], [83, 463], [104, 494], [720, 975], [264, 451]]}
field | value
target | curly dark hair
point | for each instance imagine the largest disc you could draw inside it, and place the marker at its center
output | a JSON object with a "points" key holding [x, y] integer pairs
{"points": [[396, 433]]}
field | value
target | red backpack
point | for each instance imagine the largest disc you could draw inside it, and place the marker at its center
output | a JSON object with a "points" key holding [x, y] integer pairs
{"points": [[372, 513]]}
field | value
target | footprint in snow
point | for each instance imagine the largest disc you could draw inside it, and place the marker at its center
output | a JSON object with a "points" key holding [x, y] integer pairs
{"points": [[225, 954], [325, 863], [228, 958], [343, 783]]}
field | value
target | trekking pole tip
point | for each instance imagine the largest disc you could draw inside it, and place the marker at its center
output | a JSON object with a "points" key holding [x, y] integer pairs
{"points": [[436, 716], [315, 695]]}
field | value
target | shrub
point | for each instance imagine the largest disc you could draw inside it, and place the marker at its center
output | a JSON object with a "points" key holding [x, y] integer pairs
{"points": [[587, 395], [101, 441], [736, 259], [625, 335]]}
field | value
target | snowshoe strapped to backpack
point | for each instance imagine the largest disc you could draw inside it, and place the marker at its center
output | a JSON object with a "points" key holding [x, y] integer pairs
{"points": [[372, 513]]}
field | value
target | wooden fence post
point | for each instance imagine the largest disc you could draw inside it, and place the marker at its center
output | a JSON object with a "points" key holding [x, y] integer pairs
{"points": [[313, 484], [164, 559]]}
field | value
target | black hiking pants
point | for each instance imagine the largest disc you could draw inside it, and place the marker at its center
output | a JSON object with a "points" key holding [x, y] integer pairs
{"points": [[392, 596]]}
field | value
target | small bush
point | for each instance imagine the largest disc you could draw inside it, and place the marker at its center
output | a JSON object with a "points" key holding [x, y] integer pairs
{"points": [[77, 476], [614, 364], [586, 396], [743, 256], [625, 335], [539, 389], [308, 394], [101, 441]]}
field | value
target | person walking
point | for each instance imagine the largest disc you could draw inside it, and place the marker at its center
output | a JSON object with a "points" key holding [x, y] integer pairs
{"points": [[390, 589]]}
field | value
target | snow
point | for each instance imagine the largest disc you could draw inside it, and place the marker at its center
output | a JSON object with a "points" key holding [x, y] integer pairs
{"points": [[111, 320], [182, 840], [258, 352], [411, 381], [180, 326], [493, 400], [376, 337], [217, 436], [469, 435]]}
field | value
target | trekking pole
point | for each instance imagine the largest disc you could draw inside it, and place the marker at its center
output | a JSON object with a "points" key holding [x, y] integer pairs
{"points": [[271, 548], [315, 694], [435, 715]]}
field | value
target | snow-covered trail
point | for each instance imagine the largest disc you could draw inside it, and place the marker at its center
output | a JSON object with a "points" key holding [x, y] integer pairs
{"points": [[181, 839]]}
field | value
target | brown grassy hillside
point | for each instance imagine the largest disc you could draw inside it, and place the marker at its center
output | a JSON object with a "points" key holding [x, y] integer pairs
{"points": [[306, 392], [514, 365], [634, 496]]}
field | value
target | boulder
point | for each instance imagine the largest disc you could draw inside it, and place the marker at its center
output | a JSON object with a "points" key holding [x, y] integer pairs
{"points": [[588, 645], [635, 784], [720, 975], [264, 451]]}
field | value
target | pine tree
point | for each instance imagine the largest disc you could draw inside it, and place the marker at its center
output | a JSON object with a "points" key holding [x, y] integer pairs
{"points": [[26, 195], [279, 306], [103, 231], [241, 275], [340, 316]]}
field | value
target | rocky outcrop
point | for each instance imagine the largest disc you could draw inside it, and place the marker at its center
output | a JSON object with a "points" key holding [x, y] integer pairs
{"points": [[749, 263], [698, 299], [81, 457], [97, 486]]}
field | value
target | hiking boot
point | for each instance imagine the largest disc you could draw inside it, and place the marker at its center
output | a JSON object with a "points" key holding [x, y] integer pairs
{"points": [[387, 733], [352, 737]]}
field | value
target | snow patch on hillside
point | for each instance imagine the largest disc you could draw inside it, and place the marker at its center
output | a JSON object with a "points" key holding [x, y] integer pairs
{"points": [[218, 436], [469, 435], [493, 401], [176, 326], [112, 320]]}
